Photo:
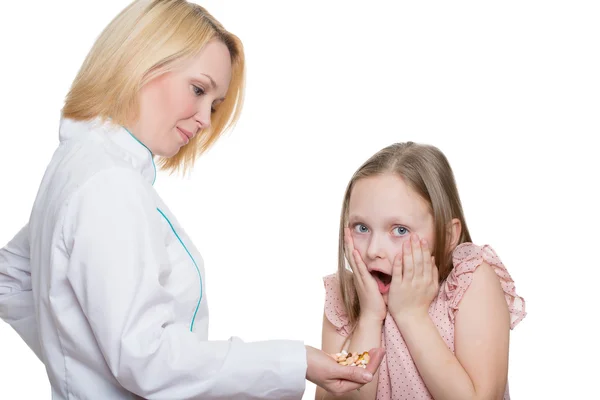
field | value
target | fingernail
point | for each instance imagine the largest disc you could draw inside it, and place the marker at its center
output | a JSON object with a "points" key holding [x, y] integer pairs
{"points": [[415, 239], [424, 242], [367, 376]]}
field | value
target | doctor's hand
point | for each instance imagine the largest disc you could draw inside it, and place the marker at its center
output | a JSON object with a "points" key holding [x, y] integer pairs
{"points": [[337, 379]]}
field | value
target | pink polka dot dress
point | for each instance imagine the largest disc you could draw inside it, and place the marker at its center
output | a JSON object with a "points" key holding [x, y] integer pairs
{"points": [[398, 375]]}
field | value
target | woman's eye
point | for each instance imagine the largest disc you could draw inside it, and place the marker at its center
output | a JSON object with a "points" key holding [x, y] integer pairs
{"points": [[400, 231], [360, 228], [198, 91]]}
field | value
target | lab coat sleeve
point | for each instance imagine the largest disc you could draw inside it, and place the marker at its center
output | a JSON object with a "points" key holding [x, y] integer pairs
{"points": [[116, 276], [16, 296]]}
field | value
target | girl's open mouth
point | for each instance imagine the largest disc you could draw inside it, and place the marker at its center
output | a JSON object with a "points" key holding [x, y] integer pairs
{"points": [[383, 281]]}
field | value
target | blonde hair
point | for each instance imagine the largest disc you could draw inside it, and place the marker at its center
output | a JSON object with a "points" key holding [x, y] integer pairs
{"points": [[147, 39], [426, 170]]}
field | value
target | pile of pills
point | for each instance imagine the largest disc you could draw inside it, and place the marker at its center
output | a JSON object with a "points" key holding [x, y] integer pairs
{"points": [[352, 359]]}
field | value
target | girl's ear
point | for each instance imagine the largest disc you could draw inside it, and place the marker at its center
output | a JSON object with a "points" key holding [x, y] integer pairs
{"points": [[454, 230]]}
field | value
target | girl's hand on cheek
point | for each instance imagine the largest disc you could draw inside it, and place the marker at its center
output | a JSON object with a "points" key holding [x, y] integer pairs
{"points": [[372, 305], [414, 281]]}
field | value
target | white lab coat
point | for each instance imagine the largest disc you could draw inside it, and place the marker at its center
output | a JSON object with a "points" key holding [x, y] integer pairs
{"points": [[107, 289]]}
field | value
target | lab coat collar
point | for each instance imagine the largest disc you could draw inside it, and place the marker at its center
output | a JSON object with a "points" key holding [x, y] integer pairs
{"points": [[135, 151]]}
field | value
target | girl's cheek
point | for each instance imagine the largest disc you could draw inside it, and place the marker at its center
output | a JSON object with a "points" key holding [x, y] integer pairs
{"points": [[399, 242], [361, 242], [395, 248]]}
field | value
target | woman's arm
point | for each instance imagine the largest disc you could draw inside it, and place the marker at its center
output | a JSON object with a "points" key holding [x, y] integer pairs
{"points": [[367, 335], [116, 271], [16, 296], [479, 369]]}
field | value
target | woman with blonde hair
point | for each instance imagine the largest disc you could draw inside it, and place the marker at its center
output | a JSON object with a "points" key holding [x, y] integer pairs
{"points": [[103, 283]]}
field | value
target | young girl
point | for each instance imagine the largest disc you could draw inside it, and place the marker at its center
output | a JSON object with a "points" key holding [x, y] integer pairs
{"points": [[441, 306]]}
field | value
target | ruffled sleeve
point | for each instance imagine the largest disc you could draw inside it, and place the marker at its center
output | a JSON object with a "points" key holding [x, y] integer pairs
{"points": [[466, 258], [334, 306]]}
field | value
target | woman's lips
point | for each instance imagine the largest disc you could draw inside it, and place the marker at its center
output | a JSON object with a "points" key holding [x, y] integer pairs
{"points": [[188, 135]]}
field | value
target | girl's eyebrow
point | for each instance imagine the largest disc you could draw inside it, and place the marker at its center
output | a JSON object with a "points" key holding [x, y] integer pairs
{"points": [[406, 220], [355, 218]]}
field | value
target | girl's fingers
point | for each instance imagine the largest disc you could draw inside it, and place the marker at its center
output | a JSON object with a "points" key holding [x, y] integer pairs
{"points": [[407, 261], [348, 248], [426, 256], [360, 265], [397, 268], [349, 252], [417, 256]]}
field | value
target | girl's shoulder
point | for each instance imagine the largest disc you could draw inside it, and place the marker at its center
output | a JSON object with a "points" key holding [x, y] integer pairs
{"points": [[466, 259]]}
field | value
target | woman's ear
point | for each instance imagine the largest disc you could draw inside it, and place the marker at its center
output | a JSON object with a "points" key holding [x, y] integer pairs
{"points": [[454, 231]]}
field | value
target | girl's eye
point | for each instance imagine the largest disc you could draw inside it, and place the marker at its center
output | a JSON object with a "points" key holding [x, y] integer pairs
{"points": [[198, 91], [400, 231], [360, 228]]}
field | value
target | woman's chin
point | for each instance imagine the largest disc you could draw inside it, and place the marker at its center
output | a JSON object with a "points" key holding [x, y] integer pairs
{"points": [[167, 153]]}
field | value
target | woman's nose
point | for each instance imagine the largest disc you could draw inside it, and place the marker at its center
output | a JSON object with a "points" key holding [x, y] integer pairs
{"points": [[203, 117]]}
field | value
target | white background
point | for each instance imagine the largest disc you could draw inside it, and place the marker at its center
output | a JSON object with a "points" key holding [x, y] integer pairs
{"points": [[510, 91]]}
